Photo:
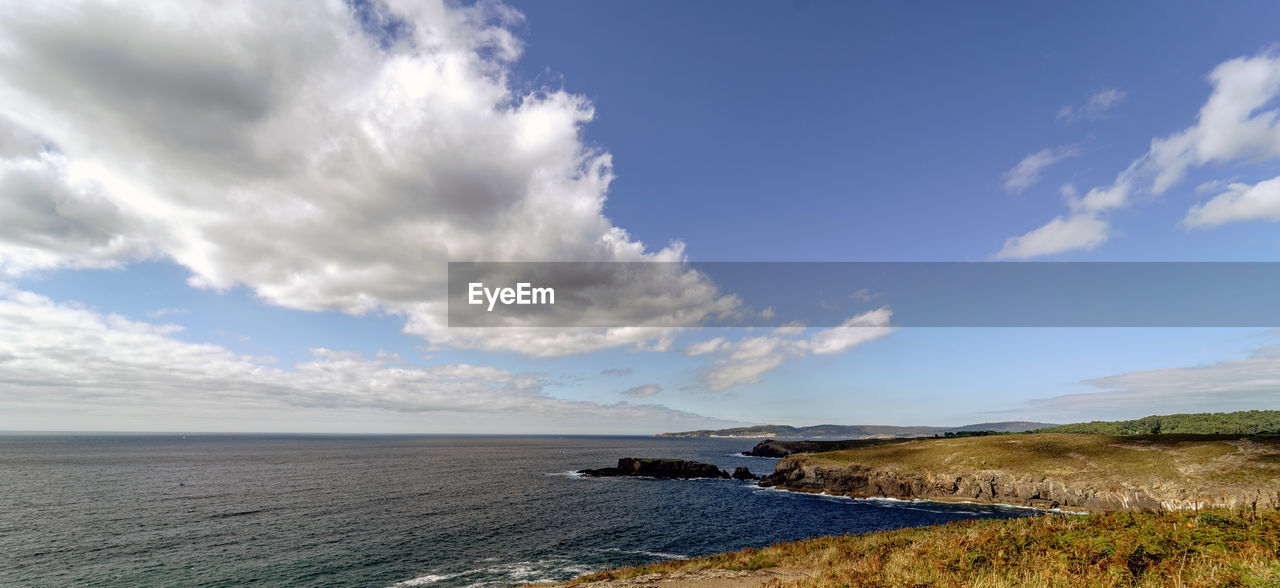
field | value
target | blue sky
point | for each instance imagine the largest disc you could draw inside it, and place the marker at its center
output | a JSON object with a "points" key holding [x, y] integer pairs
{"points": [[213, 224]]}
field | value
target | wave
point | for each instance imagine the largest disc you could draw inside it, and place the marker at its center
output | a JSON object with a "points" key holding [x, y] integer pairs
{"points": [[568, 474], [904, 501], [521, 572], [424, 580], [643, 552]]}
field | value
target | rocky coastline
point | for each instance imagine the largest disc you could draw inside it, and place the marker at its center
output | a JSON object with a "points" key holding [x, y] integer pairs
{"points": [[1107, 490], [1082, 473]]}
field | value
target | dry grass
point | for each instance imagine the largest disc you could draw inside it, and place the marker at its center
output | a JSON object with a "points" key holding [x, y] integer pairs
{"points": [[1209, 548], [1205, 460]]}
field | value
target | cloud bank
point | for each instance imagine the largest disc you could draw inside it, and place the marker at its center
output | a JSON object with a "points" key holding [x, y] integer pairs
{"points": [[67, 355], [1247, 383]]}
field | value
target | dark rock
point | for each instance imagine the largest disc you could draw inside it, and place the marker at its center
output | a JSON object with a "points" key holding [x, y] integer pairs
{"points": [[658, 468], [776, 448], [744, 474]]}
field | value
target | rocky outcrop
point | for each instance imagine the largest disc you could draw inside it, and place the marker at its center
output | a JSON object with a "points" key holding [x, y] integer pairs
{"points": [[744, 474], [776, 448], [995, 486], [658, 468]]}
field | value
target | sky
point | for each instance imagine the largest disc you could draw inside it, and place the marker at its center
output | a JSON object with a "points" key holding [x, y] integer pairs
{"points": [[237, 216]]}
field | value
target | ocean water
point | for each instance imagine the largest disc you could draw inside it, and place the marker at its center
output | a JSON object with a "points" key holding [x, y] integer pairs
{"points": [[212, 510]]}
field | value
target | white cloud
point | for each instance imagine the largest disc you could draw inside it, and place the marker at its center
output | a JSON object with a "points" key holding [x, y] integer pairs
{"points": [[318, 164], [1248, 383], [65, 355], [747, 360], [166, 311], [863, 295], [704, 347], [642, 391], [1241, 202], [1234, 125], [852, 332], [1062, 234], [1094, 108], [1028, 171], [729, 373]]}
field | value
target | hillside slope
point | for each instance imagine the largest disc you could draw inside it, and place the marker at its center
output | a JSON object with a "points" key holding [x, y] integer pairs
{"points": [[1186, 549], [1078, 472]]}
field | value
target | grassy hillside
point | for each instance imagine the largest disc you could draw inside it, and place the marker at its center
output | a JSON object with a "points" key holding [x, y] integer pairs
{"points": [[1246, 422], [1137, 459], [1209, 548]]}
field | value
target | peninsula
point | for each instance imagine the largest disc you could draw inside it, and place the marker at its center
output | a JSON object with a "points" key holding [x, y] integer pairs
{"points": [[1052, 470]]}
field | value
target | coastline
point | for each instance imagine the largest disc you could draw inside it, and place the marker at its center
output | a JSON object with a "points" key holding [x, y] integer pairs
{"points": [[939, 500], [1089, 473], [1216, 547]]}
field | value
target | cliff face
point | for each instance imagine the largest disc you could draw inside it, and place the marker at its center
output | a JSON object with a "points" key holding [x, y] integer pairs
{"points": [[1104, 489]]}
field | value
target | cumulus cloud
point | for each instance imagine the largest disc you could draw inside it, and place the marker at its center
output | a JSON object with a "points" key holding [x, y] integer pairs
{"points": [[1234, 125], [642, 391], [1241, 202], [1028, 171], [1062, 234], [704, 347], [71, 355], [333, 164], [1094, 108], [1247, 383], [747, 360]]}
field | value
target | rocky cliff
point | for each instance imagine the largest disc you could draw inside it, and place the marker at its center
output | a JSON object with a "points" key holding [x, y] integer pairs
{"points": [[1094, 473]]}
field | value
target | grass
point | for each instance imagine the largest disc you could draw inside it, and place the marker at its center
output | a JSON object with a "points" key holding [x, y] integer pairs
{"points": [[1201, 461], [1206, 548]]}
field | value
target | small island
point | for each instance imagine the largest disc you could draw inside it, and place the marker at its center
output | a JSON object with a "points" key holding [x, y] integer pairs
{"points": [[666, 468]]}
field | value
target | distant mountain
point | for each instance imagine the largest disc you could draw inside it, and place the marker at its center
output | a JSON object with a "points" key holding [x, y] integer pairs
{"points": [[856, 431]]}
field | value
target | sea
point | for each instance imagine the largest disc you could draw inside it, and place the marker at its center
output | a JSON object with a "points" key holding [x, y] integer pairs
{"points": [[382, 511]]}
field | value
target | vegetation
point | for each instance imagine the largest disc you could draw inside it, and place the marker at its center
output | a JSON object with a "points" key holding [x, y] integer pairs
{"points": [[1246, 422], [1205, 462], [1206, 548]]}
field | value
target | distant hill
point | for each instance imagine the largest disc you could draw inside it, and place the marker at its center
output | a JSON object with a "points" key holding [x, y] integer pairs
{"points": [[1245, 422], [856, 431]]}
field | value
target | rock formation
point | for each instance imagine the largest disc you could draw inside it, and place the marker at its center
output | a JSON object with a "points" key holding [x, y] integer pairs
{"points": [[996, 486], [658, 468]]}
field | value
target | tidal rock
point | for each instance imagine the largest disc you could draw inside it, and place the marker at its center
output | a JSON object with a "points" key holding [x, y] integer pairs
{"points": [[658, 468], [776, 448], [744, 474]]}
